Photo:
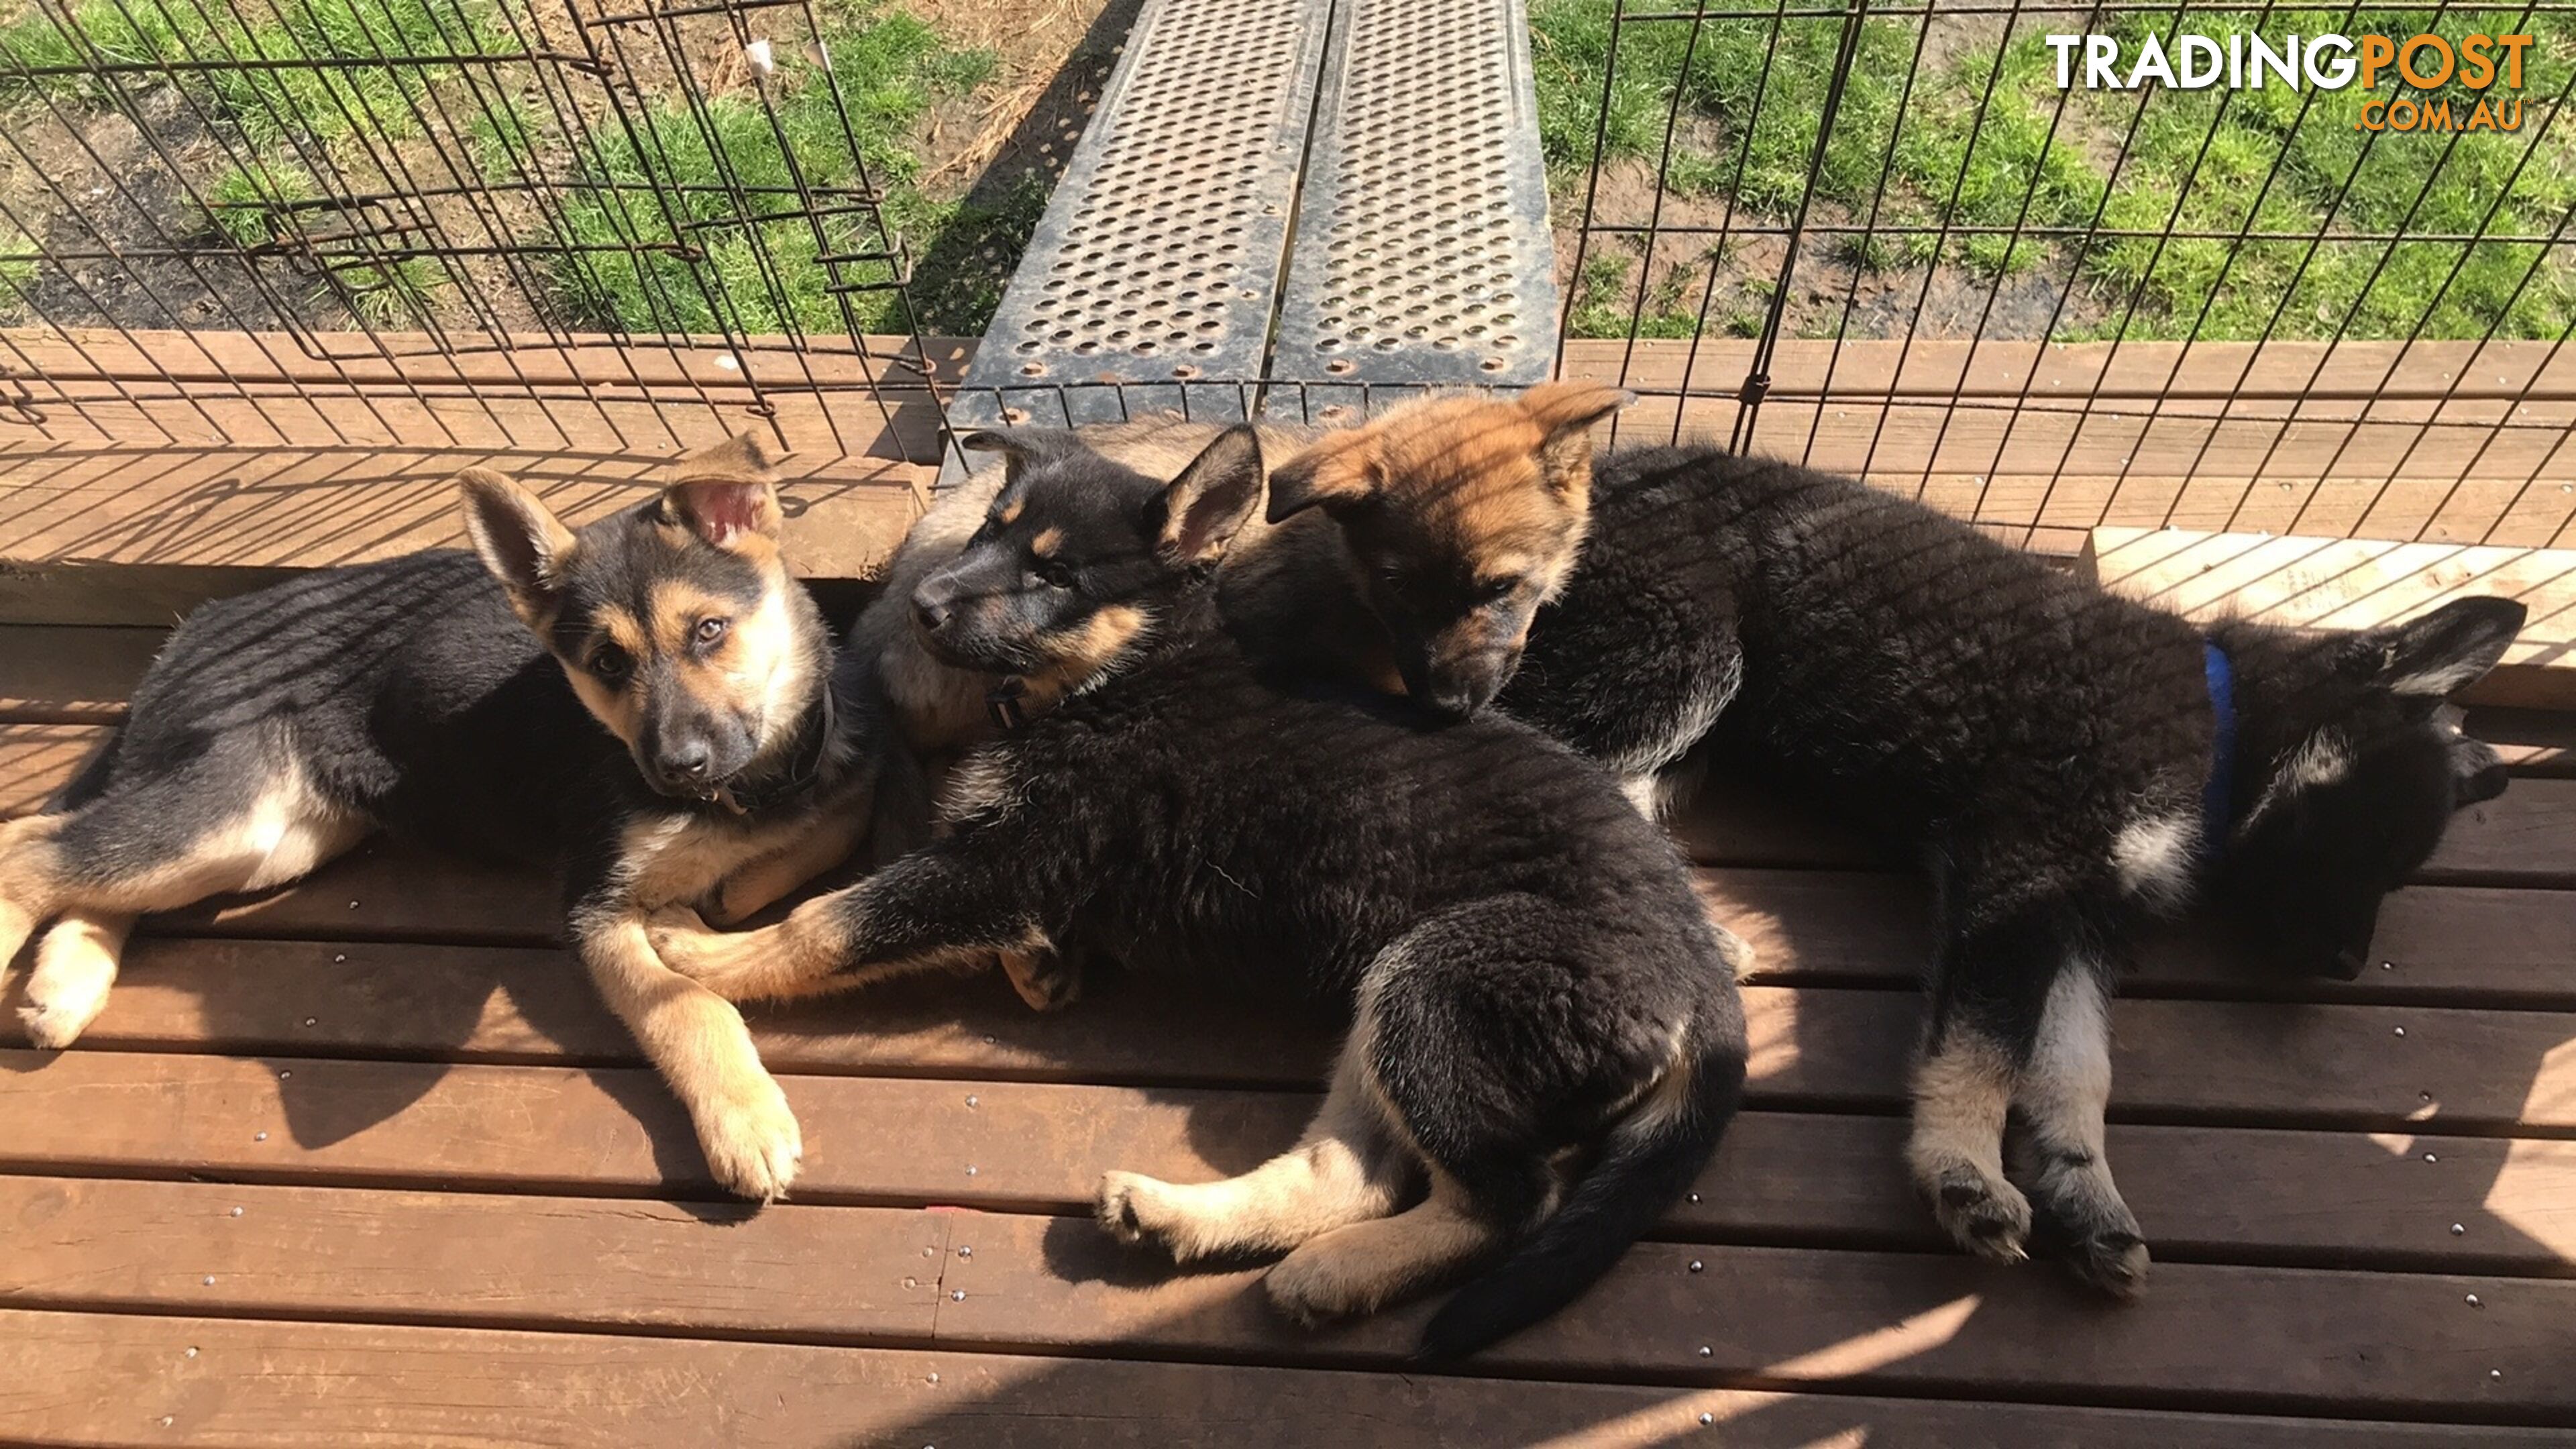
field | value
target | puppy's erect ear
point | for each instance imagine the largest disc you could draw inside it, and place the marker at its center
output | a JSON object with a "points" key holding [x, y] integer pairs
{"points": [[728, 492], [2453, 646], [1022, 448], [524, 546], [1565, 412], [1212, 498], [1338, 468]]}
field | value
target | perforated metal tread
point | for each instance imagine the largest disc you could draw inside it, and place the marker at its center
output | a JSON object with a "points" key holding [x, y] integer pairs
{"points": [[1422, 253], [1157, 261]]}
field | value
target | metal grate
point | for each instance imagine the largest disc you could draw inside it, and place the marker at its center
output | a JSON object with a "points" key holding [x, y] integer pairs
{"points": [[1157, 261], [1422, 253]]}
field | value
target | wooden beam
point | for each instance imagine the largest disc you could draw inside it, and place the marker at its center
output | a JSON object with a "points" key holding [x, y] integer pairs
{"points": [[2330, 583]]}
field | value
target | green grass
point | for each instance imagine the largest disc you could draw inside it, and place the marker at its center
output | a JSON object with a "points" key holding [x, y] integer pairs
{"points": [[766, 268], [1982, 143], [272, 107], [761, 272]]}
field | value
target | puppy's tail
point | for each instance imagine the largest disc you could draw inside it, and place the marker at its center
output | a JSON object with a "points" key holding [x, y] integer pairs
{"points": [[1649, 1159]]}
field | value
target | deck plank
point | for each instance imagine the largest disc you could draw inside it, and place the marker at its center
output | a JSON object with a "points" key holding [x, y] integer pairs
{"points": [[2326, 1064], [2345, 1341], [903, 1277], [300, 1385], [1803, 1178], [462, 1257]]}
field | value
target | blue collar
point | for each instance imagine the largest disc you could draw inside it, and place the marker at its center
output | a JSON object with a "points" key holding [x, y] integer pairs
{"points": [[2217, 795]]}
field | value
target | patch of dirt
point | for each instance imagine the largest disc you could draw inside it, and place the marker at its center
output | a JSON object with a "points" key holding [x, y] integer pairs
{"points": [[1947, 299]]}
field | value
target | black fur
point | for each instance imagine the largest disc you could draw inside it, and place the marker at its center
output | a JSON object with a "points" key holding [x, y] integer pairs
{"points": [[2031, 735], [1526, 951]]}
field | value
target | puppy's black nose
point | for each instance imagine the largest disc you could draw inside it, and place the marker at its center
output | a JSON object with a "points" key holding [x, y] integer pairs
{"points": [[928, 614], [684, 763]]}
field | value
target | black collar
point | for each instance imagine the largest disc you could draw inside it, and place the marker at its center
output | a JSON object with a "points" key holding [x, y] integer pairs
{"points": [[742, 800]]}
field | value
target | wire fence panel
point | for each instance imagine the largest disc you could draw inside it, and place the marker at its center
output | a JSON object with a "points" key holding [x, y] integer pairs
{"points": [[1886, 239], [1881, 238], [453, 222]]}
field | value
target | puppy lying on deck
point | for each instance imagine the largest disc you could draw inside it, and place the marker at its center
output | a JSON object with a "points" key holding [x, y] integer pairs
{"points": [[2068, 763], [462, 702], [1531, 977]]}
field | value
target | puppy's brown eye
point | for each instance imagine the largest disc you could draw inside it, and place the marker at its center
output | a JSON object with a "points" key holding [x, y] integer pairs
{"points": [[1497, 591], [710, 630], [1054, 575], [610, 665]]}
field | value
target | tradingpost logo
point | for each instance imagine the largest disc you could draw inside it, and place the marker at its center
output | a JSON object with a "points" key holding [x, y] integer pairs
{"points": [[2489, 67]]}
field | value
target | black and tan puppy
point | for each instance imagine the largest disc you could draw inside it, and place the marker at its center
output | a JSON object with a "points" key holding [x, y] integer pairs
{"points": [[1547, 1039], [461, 701], [1407, 554], [2069, 763]]}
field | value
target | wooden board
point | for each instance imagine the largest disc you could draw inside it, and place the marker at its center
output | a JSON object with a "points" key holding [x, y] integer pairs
{"points": [[137, 538], [2320, 583], [1817, 1179], [222, 1382], [904, 1276], [58, 675]]}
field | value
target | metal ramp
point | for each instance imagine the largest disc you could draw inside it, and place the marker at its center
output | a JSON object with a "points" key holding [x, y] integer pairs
{"points": [[1403, 136], [1422, 255], [1156, 265]]}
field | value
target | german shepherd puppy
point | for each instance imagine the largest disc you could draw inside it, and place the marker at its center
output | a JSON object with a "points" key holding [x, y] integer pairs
{"points": [[1435, 532], [1532, 978], [277, 729], [2069, 762]]}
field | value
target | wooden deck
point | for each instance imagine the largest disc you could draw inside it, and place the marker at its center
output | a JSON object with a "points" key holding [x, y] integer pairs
{"points": [[364, 1162]]}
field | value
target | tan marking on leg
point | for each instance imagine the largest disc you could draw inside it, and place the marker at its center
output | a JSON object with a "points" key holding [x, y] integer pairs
{"points": [[30, 883], [1364, 1267], [284, 836], [702, 1049], [1962, 1089], [802, 955], [825, 841], [1344, 1170], [76, 963]]}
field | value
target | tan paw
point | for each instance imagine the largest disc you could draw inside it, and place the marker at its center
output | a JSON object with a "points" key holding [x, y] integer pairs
{"points": [[753, 1144], [1044, 980], [1983, 1213], [1130, 1207], [54, 1024], [1312, 1286]]}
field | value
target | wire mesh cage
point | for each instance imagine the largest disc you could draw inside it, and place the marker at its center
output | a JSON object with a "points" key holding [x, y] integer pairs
{"points": [[1893, 240], [1878, 237], [452, 223]]}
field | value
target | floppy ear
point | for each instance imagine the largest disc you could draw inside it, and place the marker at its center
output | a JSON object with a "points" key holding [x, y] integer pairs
{"points": [[1337, 468], [1022, 448], [727, 491], [524, 546], [2452, 646], [1212, 498], [1565, 412]]}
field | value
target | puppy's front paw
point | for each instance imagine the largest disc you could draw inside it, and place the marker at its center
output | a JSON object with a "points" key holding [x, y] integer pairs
{"points": [[1983, 1214], [1129, 1206], [752, 1142], [714, 959], [54, 1025], [1043, 979], [2114, 1261], [1314, 1286]]}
